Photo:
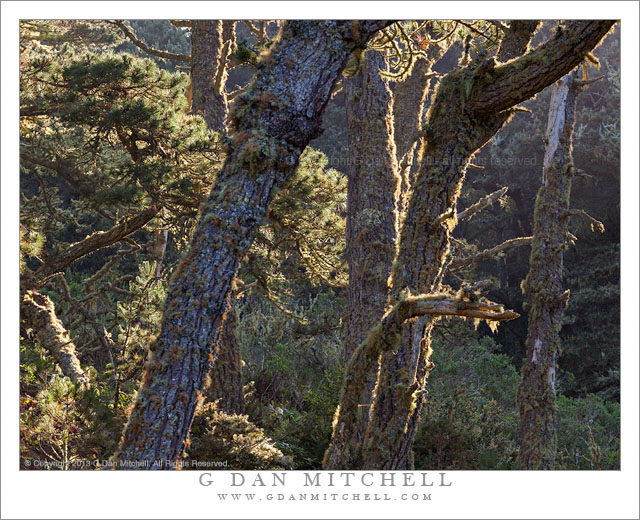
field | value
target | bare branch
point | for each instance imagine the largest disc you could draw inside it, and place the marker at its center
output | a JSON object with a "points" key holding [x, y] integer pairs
{"points": [[181, 23], [595, 223], [482, 203], [39, 313], [149, 50], [94, 242], [489, 253]]}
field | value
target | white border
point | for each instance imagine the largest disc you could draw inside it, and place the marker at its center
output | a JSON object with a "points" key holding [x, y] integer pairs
{"points": [[178, 495]]}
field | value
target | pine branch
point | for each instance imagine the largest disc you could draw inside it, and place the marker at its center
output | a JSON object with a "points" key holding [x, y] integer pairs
{"points": [[63, 168], [92, 243], [149, 50]]}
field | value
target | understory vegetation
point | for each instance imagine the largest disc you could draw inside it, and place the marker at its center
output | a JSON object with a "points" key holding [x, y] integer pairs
{"points": [[108, 136]]}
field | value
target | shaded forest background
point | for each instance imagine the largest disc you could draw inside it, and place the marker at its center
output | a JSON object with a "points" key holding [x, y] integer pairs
{"points": [[91, 92]]}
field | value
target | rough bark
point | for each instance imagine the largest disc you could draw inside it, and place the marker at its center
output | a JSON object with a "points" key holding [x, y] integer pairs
{"points": [[516, 39], [470, 107], [225, 377], [211, 48], [272, 122], [216, 38], [409, 100], [372, 197], [543, 284], [376, 190], [372, 222], [518, 80], [39, 313]]}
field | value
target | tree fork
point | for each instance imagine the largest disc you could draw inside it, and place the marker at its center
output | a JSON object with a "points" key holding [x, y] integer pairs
{"points": [[470, 107]]}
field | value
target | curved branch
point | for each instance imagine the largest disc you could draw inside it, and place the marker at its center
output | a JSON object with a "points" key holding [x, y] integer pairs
{"points": [[520, 79], [94, 242], [149, 50]]}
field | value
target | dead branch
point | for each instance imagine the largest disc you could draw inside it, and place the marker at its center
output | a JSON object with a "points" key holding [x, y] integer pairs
{"points": [[39, 313], [149, 50], [489, 253], [595, 223], [482, 203]]}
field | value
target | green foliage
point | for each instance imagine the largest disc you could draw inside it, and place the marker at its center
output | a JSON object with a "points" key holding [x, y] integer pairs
{"points": [[470, 419], [161, 35], [233, 441], [588, 433], [591, 355], [295, 373], [63, 427]]}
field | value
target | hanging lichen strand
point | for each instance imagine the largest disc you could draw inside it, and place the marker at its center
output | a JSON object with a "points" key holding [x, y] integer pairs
{"points": [[471, 105], [272, 123], [543, 285]]}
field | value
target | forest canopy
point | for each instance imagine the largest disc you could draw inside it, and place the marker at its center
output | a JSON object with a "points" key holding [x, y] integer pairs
{"points": [[320, 244]]}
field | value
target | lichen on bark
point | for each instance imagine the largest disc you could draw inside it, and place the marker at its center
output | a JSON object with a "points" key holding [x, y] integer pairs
{"points": [[543, 284], [470, 107], [284, 105]]}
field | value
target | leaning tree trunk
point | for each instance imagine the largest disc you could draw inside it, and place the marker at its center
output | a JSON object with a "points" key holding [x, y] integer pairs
{"points": [[409, 100], [543, 284], [272, 124], [372, 222], [216, 38], [470, 107]]}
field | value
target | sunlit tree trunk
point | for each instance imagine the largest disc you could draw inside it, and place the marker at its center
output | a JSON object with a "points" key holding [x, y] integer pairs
{"points": [[470, 107], [217, 39], [543, 284], [372, 221], [271, 125], [212, 45]]}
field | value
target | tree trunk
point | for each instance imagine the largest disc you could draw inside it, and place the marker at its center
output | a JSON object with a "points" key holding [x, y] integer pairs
{"points": [[225, 377], [409, 100], [376, 190], [543, 284], [470, 107], [212, 42], [372, 221], [272, 122], [217, 38]]}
